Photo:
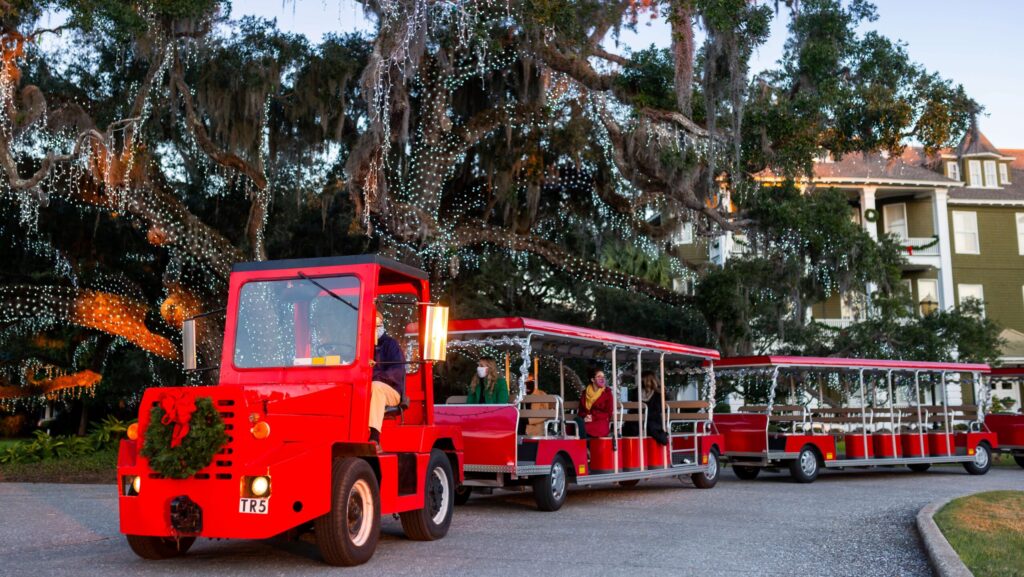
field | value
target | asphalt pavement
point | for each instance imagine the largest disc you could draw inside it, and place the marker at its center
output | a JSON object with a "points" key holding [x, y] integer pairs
{"points": [[846, 523]]}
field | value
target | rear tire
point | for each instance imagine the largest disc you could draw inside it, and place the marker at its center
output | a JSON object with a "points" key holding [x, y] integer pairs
{"points": [[551, 490], [709, 477], [1020, 460], [462, 494], [919, 467], [629, 484], [805, 468], [347, 535], [982, 460], [433, 520], [746, 472], [157, 548]]}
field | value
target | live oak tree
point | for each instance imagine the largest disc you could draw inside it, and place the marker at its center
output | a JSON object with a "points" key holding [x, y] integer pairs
{"points": [[148, 145]]}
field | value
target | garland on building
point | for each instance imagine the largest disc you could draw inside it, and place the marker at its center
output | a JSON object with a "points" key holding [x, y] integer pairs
{"points": [[183, 435], [911, 248]]}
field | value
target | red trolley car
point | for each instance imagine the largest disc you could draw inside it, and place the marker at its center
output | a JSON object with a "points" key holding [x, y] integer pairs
{"points": [[836, 413], [1008, 426], [496, 455]]}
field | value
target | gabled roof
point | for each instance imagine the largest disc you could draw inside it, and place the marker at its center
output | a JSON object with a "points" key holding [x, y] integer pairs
{"points": [[1018, 157], [975, 143]]}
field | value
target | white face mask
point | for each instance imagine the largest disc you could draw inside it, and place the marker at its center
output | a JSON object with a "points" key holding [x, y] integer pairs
{"points": [[481, 372], [380, 332]]}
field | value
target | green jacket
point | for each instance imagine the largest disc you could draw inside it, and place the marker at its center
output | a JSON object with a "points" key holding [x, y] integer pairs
{"points": [[498, 396]]}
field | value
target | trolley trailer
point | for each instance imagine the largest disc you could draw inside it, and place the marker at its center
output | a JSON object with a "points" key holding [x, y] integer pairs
{"points": [[1008, 426], [497, 455], [835, 413]]}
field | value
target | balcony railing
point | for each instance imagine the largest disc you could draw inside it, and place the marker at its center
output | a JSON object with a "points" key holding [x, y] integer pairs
{"points": [[920, 245], [836, 323]]}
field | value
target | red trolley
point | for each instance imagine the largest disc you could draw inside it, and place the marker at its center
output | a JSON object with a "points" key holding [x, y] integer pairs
{"points": [[1009, 426], [496, 455], [837, 413]]}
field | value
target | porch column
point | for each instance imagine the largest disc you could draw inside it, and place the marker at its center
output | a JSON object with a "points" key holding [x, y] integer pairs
{"points": [[867, 202], [940, 218]]}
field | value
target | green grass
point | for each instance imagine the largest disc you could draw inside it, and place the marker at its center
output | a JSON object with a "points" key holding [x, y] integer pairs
{"points": [[97, 467], [4, 443], [987, 531]]}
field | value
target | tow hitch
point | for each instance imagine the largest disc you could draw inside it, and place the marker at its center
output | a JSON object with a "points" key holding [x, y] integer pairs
{"points": [[186, 516]]}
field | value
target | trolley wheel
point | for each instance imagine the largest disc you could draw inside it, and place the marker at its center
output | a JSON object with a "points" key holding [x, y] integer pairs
{"points": [[629, 484], [433, 520], [347, 534], [157, 548], [709, 477], [551, 490], [804, 468], [746, 472], [462, 494], [982, 460], [1019, 459]]}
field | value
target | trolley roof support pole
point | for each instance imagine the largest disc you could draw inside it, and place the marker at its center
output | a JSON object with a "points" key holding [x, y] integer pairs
{"points": [[615, 409], [664, 413], [917, 401], [945, 411], [863, 415], [561, 393], [771, 402], [892, 414], [641, 407]]}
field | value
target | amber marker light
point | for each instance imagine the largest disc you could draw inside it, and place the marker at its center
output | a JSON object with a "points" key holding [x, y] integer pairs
{"points": [[133, 431], [260, 430]]}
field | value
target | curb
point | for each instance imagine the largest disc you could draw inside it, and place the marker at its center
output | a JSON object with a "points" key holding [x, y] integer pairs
{"points": [[943, 558]]}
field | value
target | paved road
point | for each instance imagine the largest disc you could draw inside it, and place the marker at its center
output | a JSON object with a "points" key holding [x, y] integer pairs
{"points": [[844, 524]]}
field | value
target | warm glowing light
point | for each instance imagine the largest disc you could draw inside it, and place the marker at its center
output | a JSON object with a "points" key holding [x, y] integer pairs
{"points": [[435, 336], [259, 486], [261, 430], [133, 431]]}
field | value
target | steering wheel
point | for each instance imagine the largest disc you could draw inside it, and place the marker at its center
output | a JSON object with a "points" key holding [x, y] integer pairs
{"points": [[340, 349]]}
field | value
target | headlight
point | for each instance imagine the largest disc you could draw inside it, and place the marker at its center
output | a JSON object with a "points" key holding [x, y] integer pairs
{"points": [[136, 484], [130, 485], [259, 486]]}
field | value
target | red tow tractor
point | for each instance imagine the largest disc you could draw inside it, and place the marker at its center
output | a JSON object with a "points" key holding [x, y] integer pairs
{"points": [[292, 402], [840, 413], [499, 456]]}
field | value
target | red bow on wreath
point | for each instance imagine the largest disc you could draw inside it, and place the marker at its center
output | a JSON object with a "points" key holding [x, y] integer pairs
{"points": [[177, 410]]}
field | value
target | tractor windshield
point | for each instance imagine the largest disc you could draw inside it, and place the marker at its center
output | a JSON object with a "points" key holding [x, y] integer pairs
{"points": [[297, 322]]}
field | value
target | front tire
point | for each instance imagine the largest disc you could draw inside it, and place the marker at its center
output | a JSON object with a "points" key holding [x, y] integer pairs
{"points": [[709, 477], [1020, 460], [805, 468], [551, 490], [158, 548], [347, 535], [746, 472], [919, 467], [433, 520], [982, 460]]}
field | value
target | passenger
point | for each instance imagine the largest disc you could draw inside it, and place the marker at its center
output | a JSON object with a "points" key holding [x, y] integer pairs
{"points": [[596, 407], [534, 426], [388, 378], [493, 390], [650, 394]]}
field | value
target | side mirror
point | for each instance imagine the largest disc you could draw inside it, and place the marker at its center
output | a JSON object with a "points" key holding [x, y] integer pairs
{"points": [[188, 344], [435, 333]]}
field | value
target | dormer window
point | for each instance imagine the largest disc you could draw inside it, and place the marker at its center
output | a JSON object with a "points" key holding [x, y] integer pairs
{"points": [[974, 173], [953, 170], [990, 174], [1004, 173]]}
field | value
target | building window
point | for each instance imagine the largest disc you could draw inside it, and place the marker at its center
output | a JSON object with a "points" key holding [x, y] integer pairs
{"points": [[685, 234], [974, 173], [990, 174], [971, 291], [927, 295], [1004, 173], [953, 170], [896, 220], [1020, 233], [965, 232]]}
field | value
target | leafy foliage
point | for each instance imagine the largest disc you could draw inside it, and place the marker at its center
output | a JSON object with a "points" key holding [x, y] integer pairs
{"points": [[102, 437]]}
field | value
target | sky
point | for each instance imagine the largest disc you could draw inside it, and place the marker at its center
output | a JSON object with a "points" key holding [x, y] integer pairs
{"points": [[972, 42]]}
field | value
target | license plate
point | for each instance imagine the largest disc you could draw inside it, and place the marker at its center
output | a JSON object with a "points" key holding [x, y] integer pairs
{"points": [[257, 506]]}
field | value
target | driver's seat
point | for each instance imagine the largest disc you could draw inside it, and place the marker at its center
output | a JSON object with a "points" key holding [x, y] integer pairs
{"points": [[399, 409]]}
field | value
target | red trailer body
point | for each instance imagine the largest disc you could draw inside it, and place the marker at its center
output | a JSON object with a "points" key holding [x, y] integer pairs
{"points": [[497, 455], [1009, 426], [805, 438], [315, 407]]}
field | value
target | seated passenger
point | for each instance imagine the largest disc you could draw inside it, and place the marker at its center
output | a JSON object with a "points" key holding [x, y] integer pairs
{"points": [[388, 382], [596, 407], [487, 388], [533, 426], [650, 394]]}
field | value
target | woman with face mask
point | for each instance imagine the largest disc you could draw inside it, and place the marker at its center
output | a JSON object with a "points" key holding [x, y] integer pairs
{"points": [[487, 387], [596, 406]]}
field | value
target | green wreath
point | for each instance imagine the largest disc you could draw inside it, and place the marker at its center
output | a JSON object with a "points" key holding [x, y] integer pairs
{"points": [[204, 438], [871, 215]]}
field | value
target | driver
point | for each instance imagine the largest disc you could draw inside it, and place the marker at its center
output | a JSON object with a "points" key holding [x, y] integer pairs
{"points": [[388, 378]]}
